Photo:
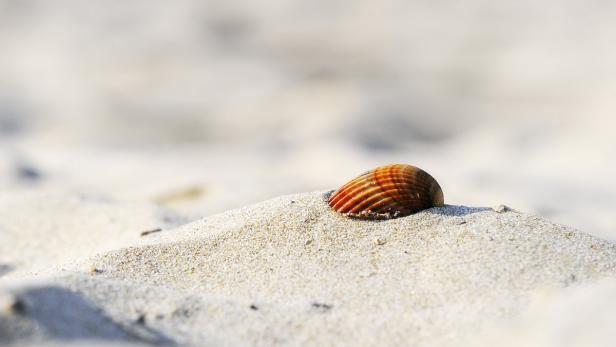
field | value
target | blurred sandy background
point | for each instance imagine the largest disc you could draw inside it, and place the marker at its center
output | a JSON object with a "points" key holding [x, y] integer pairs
{"points": [[204, 106]]}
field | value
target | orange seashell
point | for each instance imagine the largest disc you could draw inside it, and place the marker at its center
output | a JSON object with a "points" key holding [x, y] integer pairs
{"points": [[389, 191]]}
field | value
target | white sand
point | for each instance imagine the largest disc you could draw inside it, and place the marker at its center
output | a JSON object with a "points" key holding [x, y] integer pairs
{"points": [[43, 229], [502, 102], [289, 271], [578, 316], [118, 118]]}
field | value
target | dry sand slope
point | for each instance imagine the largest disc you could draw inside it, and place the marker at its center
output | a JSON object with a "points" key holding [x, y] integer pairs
{"points": [[289, 271]]}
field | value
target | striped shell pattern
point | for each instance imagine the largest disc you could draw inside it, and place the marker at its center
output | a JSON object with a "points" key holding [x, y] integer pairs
{"points": [[389, 191]]}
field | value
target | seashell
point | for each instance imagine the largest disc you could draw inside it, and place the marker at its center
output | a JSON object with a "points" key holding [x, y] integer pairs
{"points": [[389, 191]]}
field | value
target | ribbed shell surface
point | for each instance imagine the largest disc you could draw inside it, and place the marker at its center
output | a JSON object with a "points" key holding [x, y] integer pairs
{"points": [[388, 191]]}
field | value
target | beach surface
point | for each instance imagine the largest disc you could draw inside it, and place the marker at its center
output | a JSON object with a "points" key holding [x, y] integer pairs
{"points": [[290, 271], [143, 145]]}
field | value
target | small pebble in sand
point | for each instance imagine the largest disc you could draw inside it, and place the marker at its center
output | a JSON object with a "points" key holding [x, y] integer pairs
{"points": [[5, 269], [148, 232], [458, 221], [95, 270], [28, 173], [189, 193], [141, 319], [501, 209], [379, 241], [14, 305], [254, 307], [322, 307]]}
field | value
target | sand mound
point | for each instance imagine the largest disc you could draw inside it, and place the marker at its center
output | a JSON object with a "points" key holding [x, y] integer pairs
{"points": [[291, 271]]}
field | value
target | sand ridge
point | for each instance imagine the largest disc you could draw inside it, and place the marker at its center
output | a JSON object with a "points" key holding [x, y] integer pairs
{"points": [[290, 271]]}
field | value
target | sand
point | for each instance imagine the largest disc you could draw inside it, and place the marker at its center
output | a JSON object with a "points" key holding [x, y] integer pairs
{"points": [[576, 316], [503, 103], [290, 271], [43, 229], [122, 122]]}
